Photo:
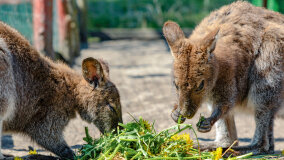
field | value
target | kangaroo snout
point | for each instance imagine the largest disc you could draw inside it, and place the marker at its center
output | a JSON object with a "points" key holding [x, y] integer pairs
{"points": [[184, 109], [176, 114], [187, 110]]}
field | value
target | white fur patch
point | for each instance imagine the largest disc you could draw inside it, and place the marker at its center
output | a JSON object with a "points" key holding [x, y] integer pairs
{"points": [[10, 110], [209, 105], [7, 83], [4, 46]]}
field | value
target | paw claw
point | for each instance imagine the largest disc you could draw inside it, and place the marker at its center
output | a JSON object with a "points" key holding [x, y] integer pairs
{"points": [[204, 126]]}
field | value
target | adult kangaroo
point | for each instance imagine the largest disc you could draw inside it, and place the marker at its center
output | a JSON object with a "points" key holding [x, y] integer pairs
{"points": [[233, 58], [38, 97]]}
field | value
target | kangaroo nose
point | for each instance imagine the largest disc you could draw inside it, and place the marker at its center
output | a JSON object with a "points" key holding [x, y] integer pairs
{"points": [[176, 114], [187, 111]]}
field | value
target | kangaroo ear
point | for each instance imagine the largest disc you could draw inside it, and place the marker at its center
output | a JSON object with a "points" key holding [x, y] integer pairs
{"points": [[173, 34], [93, 72], [105, 67], [209, 42]]}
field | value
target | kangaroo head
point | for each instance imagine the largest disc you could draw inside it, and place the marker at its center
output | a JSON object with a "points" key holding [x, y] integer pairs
{"points": [[192, 68], [100, 97]]}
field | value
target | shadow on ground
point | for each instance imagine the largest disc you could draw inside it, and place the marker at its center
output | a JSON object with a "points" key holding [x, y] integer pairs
{"points": [[241, 139]]}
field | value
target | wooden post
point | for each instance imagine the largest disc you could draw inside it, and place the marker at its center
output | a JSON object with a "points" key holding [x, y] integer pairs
{"points": [[62, 24], [83, 11], [42, 26], [69, 40], [264, 3]]}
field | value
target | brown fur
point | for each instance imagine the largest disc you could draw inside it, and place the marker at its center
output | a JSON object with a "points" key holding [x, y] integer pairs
{"points": [[234, 57], [43, 95]]}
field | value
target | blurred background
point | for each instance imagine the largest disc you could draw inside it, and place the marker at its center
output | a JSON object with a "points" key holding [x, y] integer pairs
{"points": [[82, 21], [127, 34]]}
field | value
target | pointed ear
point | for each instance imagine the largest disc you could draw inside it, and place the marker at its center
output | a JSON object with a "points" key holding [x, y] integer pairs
{"points": [[105, 67], [209, 42], [173, 34], [93, 72]]}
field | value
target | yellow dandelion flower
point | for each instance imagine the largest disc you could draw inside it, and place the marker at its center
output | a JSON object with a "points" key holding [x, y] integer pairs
{"points": [[146, 124], [18, 158], [31, 152], [182, 143], [218, 153], [184, 136], [174, 137], [141, 133]]}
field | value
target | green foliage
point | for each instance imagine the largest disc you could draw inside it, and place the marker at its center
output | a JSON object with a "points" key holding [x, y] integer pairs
{"points": [[18, 16], [153, 13], [271, 4], [139, 140], [148, 13], [258, 3], [201, 119]]}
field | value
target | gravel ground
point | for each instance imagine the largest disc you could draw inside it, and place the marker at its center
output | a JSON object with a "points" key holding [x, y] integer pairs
{"points": [[142, 72]]}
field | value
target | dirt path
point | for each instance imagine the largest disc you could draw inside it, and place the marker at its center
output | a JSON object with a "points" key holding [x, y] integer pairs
{"points": [[142, 72]]}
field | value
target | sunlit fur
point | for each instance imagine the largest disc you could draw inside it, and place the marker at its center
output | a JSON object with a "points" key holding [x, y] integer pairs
{"points": [[238, 51], [38, 97]]}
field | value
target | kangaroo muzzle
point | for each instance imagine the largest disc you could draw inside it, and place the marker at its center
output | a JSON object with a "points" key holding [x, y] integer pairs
{"points": [[176, 114]]}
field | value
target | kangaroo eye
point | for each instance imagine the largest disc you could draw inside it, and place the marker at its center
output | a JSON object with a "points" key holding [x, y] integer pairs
{"points": [[111, 108], [200, 87], [186, 84]]}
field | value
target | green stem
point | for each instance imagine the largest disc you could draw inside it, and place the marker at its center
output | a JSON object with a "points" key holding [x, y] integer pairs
{"points": [[177, 156], [173, 127], [196, 140], [114, 152], [164, 131], [116, 136], [136, 155], [103, 156], [122, 125], [129, 140], [125, 155], [180, 130], [244, 156], [88, 154], [193, 157]]}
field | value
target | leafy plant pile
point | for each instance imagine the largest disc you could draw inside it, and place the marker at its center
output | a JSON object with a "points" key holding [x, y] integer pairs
{"points": [[139, 140]]}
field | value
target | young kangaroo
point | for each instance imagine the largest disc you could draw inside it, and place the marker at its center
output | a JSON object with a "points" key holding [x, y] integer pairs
{"points": [[38, 97], [234, 57]]}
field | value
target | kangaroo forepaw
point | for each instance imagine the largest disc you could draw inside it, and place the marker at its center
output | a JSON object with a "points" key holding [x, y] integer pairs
{"points": [[204, 126]]}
